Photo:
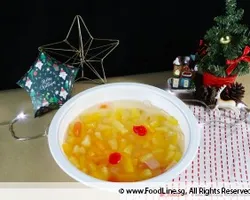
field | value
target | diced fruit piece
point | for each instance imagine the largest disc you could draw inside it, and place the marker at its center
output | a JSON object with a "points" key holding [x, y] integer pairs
{"points": [[177, 156], [125, 115], [74, 161], [155, 124], [140, 130], [105, 172], [76, 149], [146, 173], [85, 170], [90, 126], [146, 157], [152, 163], [172, 120], [71, 140], [122, 144], [146, 145], [113, 144], [128, 164], [103, 106], [149, 128], [173, 138], [112, 178], [161, 129], [103, 127], [94, 117], [67, 148], [91, 153], [82, 162], [171, 147], [99, 160], [98, 135], [119, 126], [170, 155], [135, 162], [115, 158], [161, 118], [92, 167], [135, 113], [86, 141], [156, 151], [100, 145], [128, 149], [170, 165], [118, 113], [77, 129]]}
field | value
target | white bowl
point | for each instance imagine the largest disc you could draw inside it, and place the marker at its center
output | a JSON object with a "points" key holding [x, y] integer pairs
{"points": [[123, 91]]}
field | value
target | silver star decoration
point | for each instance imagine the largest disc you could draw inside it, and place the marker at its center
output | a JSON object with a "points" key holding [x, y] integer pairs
{"points": [[86, 51]]}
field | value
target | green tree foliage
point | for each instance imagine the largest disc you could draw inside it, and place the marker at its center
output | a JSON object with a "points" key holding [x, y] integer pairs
{"points": [[226, 40]]}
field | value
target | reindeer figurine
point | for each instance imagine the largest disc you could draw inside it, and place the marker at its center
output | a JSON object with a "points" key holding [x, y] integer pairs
{"points": [[228, 104]]}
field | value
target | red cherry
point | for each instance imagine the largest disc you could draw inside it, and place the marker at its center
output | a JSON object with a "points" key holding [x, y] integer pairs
{"points": [[115, 158], [140, 130]]}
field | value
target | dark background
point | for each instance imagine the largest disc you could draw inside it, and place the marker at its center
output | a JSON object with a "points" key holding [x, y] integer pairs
{"points": [[151, 33]]}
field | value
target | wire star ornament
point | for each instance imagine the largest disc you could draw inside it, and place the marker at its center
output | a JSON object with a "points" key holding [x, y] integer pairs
{"points": [[82, 50]]}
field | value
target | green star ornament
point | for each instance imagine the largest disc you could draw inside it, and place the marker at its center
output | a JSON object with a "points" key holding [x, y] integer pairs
{"points": [[49, 83]]}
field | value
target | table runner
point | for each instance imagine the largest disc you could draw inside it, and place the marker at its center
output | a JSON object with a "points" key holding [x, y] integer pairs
{"points": [[224, 152]]}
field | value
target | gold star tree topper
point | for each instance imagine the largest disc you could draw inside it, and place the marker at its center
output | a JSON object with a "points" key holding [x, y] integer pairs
{"points": [[82, 50]]}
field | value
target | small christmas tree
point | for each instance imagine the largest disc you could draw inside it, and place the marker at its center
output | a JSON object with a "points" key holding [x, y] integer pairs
{"points": [[226, 45]]}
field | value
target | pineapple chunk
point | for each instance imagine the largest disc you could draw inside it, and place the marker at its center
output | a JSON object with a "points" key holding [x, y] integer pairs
{"points": [[91, 125], [118, 113], [105, 172], [98, 135], [113, 144], [150, 129], [82, 150], [161, 129], [76, 149], [155, 124], [92, 167], [177, 156], [171, 147], [172, 121], [119, 126], [71, 140], [144, 158], [67, 148], [173, 138], [128, 149], [128, 164], [85, 170], [146, 145], [135, 162], [125, 115], [100, 145], [154, 141], [170, 155], [86, 141], [74, 161], [156, 151], [82, 162], [135, 113], [91, 118], [122, 144], [146, 173], [103, 127]]}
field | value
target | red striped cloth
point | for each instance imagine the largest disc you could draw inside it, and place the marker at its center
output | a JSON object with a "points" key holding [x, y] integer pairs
{"points": [[224, 153]]}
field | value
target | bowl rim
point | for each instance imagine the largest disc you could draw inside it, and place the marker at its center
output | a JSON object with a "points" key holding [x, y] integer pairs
{"points": [[92, 182]]}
